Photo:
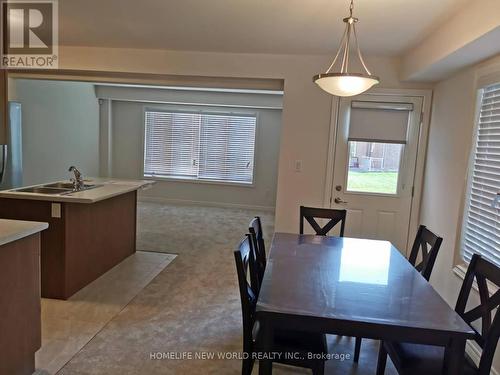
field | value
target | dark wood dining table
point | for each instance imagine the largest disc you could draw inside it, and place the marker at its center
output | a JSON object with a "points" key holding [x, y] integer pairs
{"points": [[354, 287]]}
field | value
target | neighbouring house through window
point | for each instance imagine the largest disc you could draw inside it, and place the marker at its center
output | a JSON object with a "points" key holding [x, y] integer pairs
{"points": [[198, 145]]}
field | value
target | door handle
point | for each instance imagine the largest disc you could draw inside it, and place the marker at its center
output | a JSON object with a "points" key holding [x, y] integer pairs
{"points": [[339, 201]]}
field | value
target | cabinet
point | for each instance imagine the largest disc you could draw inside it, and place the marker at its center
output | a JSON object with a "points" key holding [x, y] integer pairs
{"points": [[83, 241], [3, 106], [20, 325]]}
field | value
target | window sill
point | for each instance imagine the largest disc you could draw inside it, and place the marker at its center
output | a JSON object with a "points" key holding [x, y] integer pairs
{"points": [[461, 269], [195, 181]]}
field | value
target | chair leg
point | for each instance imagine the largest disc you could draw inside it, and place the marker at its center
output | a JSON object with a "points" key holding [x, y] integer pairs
{"points": [[319, 368], [382, 359], [357, 349]]}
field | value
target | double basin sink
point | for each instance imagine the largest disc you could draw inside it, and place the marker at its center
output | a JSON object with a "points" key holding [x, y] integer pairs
{"points": [[56, 188]]}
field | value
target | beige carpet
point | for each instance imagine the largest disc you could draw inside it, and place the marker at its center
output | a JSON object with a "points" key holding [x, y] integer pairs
{"points": [[193, 305], [185, 229]]}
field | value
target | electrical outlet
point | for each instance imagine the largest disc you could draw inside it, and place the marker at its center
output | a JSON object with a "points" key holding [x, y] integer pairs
{"points": [[298, 165], [55, 209]]}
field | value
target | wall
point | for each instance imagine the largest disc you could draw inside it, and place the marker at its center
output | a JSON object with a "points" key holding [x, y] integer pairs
{"points": [[450, 142], [306, 120], [60, 128], [306, 108], [127, 157]]}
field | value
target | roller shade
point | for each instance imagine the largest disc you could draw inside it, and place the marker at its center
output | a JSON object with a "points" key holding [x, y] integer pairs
{"points": [[481, 227], [199, 146], [379, 122]]}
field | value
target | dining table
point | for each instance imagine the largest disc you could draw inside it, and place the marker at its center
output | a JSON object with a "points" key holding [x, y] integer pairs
{"points": [[353, 287]]}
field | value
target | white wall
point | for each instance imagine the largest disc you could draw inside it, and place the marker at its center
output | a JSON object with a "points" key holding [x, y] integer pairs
{"points": [[306, 108], [60, 128], [127, 158], [450, 142]]}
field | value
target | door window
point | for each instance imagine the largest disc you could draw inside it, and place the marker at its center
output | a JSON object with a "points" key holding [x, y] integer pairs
{"points": [[374, 167]]}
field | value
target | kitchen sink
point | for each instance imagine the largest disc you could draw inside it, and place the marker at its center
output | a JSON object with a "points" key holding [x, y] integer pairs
{"points": [[44, 190], [67, 185], [56, 188]]}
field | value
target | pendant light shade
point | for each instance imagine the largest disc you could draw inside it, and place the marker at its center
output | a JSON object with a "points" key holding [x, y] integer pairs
{"points": [[343, 82]]}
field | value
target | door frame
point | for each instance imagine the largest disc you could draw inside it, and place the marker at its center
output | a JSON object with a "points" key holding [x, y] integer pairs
{"points": [[418, 180]]}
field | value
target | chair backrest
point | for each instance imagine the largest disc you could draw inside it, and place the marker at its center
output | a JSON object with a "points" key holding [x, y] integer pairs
{"points": [[484, 272], [311, 213], [245, 263], [255, 229], [427, 244]]}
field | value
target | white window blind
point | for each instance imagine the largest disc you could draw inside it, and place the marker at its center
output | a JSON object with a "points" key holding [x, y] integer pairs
{"points": [[199, 146], [481, 227]]}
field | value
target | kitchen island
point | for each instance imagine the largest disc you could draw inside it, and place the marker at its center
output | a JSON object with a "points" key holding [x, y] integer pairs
{"points": [[20, 326], [89, 231]]}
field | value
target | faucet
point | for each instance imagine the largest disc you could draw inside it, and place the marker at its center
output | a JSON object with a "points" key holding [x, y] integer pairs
{"points": [[77, 181]]}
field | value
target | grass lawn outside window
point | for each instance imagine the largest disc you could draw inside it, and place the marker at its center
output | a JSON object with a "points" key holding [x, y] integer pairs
{"points": [[373, 182]]}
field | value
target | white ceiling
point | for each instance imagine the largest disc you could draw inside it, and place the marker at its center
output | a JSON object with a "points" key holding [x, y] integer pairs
{"points": [[387, 27]]}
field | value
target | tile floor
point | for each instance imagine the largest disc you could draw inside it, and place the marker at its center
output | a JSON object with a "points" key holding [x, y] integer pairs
{"points": [[67, 326]]}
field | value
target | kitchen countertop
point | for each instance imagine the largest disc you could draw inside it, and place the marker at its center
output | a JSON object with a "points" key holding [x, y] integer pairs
{"points": [[108, 188], [13, 230]]}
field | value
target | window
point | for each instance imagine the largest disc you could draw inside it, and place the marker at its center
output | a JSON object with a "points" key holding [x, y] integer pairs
{"points": [[481, 226], [378, 133], [199, 146], [374, 167]]}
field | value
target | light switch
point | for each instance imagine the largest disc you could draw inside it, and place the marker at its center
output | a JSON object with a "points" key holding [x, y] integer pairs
{"points": [[56, 210], [298, 165]]}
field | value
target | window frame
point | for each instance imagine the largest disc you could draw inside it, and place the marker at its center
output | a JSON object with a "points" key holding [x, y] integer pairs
{"points": [[460, 262], [226, 111]]}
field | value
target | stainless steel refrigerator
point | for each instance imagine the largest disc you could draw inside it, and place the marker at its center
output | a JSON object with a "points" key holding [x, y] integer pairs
{"points": [[11, 154]]}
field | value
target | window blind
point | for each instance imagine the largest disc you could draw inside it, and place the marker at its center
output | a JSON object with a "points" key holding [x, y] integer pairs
{"points": [[481, 228], [200, 146], [171, 144], [227, 148]]}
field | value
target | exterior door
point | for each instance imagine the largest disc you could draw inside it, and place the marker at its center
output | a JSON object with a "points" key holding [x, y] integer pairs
{"points": [[374, 165]]}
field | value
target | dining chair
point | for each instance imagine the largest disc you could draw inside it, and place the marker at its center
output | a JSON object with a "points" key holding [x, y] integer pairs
{"points": [[255, 229], [311, 214], [426, 243], [412, 359], [284, 341]]}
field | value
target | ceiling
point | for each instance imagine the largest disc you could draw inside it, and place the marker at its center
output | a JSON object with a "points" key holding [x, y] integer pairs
{"points": [[386, 28]]}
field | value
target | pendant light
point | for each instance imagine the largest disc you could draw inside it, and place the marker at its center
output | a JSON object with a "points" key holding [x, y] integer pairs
{"points": [[345, 83]]}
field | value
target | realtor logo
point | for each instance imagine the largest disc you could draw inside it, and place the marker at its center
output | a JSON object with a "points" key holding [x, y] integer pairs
{"points": [[29, 34]]}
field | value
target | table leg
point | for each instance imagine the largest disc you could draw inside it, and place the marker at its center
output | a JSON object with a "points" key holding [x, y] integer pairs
{"points": [[266, 365], [454, 357]]}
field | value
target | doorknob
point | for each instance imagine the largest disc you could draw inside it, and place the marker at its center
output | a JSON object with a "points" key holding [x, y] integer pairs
{"points": [[339, 201]]}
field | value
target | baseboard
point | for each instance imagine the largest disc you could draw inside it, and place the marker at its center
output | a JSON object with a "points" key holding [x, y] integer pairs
{"points": [[143, 198]]}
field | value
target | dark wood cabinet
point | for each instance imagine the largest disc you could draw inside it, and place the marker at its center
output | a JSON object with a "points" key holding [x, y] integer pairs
{"points": [[84, 240], [20, 326]]}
